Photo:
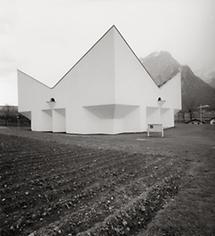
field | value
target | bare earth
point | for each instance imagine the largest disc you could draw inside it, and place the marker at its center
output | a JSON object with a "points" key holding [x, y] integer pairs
{"points": [[127, 184]]}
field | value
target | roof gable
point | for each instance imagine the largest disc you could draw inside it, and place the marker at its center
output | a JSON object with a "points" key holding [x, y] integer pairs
{"points": [[89, 51]]}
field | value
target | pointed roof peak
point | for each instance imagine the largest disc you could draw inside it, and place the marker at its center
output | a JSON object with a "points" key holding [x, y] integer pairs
{"points": [[113, 27]]}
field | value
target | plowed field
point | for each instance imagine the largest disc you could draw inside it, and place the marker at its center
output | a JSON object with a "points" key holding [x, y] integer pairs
{"points": [[51, 188]]}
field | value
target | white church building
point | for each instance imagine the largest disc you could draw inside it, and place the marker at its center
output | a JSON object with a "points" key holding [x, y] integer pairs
{"points": [[107, 91]]}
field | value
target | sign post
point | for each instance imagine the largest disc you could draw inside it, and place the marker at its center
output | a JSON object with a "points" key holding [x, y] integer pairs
{"points": [[200, 112]]}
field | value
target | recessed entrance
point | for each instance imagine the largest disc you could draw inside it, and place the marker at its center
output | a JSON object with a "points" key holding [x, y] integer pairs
{"points": [[59, 120], [46, 120]]}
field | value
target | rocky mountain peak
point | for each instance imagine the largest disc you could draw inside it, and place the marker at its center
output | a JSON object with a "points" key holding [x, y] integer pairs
{"points": [[162, 67]]}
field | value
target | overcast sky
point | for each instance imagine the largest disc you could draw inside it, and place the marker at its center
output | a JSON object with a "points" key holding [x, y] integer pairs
{"points": [[44, 38]]}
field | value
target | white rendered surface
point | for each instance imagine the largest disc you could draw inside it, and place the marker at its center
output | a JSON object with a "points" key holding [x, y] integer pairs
{"points": [[107, 91]]}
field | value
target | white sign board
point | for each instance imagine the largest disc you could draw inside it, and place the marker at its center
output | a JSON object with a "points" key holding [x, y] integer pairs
{"points": [[155, 128]]}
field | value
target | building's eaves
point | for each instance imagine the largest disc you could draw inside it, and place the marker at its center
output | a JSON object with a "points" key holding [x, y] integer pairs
{"points": [[84, 55], [134, 54], [113, 26], [38, 81]]}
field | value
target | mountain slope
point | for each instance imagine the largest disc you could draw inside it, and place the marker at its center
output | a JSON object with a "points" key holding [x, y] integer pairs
{"points": [[212, 82], [195, 91], [162, 66], [209, 77]]}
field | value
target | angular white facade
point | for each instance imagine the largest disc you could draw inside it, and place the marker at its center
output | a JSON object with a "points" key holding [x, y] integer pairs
{"points": [[107, 91]]}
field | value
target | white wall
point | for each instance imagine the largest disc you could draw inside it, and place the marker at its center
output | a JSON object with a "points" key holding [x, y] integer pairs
{"points": [[153, 115], [31, 93], [171, 92], [132, 82], [58, 120], [107, 91], [89, 83], [127, 119]]}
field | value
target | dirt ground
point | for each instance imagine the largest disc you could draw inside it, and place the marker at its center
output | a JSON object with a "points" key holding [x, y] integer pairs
{"points": [[127, 184]]}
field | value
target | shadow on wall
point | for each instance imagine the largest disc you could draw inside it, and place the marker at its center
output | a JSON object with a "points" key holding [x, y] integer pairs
{"points": [[111, 111]]}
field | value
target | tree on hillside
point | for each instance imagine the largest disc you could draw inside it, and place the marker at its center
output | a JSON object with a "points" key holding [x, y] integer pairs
{"points": [[8, 113]]}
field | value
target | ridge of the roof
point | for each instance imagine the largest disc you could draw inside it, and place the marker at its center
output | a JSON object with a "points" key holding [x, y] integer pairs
{"points": [[135, 54], [112, 27]]}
